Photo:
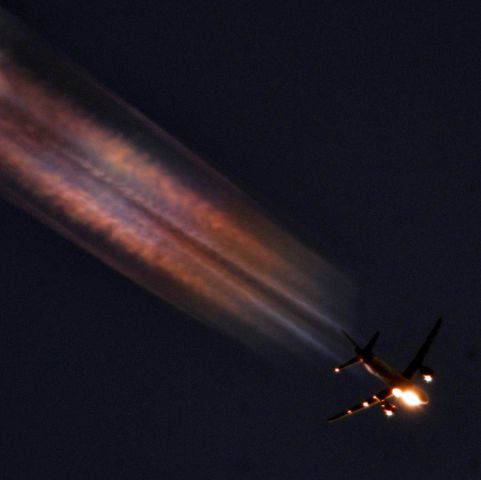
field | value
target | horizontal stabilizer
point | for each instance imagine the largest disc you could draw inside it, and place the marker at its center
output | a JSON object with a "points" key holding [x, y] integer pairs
{"points": [[354, 344], [349, 363]]}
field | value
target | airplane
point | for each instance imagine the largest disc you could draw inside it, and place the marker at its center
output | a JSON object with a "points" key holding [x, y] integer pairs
{"points": [[398, 384]]}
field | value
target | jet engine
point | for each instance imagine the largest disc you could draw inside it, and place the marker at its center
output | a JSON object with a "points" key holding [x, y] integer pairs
{"points": [[427, 374]]}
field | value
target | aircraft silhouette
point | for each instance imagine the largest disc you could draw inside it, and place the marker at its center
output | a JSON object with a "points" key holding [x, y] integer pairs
{"points": [[398, 384]]}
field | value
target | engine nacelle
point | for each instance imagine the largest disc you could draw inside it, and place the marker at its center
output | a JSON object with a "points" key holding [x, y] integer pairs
{"points": [[388, 408], [427, 374]]}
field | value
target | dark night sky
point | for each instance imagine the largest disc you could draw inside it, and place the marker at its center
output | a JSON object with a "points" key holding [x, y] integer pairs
{"points": [[358, 126]]}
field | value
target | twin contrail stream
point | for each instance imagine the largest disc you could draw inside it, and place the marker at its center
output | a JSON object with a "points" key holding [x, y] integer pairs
{"points": [[99, 173]]}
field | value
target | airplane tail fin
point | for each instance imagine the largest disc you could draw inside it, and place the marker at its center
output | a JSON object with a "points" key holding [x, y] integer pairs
{"points": [[361, 353], [371, 343]]}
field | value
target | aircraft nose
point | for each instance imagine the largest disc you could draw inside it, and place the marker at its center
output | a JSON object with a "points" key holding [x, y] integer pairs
{"points": [[423, 397]]}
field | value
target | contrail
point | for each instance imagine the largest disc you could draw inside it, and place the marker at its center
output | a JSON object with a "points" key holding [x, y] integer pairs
{"points": [[98, 172]]}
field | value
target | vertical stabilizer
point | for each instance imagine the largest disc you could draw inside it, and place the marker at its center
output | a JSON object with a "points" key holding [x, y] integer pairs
{"points": [[371, 343]]}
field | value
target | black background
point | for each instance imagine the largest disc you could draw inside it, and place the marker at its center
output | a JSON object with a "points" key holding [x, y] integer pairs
{"points": [[357, 125]]}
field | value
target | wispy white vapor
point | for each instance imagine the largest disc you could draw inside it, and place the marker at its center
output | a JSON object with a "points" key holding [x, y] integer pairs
{"points": [[101, 174]]}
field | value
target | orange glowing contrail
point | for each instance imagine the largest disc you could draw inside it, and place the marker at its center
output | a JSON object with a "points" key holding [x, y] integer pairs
{"points": [[101, 174]]}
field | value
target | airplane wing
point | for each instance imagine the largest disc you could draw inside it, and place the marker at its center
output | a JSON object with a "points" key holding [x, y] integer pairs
{"points": [[417, 361], [374, 400]]}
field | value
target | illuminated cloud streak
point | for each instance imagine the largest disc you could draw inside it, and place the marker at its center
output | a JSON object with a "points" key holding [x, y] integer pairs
{"points": [[101, 174]]}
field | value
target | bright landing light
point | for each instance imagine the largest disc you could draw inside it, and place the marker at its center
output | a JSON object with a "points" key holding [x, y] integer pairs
{"points": [[397, 392], [409, 397], [428, 378]]}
